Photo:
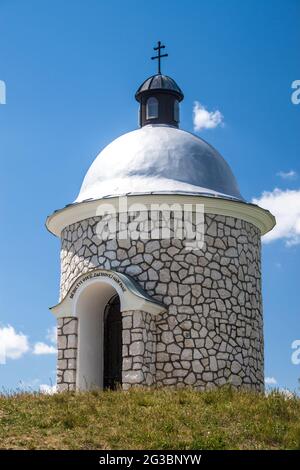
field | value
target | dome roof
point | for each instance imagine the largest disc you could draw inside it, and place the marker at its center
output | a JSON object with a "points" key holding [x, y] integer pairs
{"points": [[158, 159], [159, 82]]}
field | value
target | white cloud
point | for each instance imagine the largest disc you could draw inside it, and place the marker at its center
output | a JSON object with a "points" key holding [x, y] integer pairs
{"points": [[270, 381], [288, 175], [35, 385], [287, 393], [48, 389], [204, 119], [285, 206], [52, 335], [43, 348], [28, 385], [12, 344]]}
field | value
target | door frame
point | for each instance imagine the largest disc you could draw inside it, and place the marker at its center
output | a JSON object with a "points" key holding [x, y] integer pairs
{"points": [[106, 313]]}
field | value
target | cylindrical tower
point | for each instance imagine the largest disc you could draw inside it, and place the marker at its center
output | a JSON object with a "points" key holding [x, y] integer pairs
{"points": [[144, 300]]}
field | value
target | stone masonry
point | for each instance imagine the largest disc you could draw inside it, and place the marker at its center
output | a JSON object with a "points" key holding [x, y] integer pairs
{"points": [[67, 352], [139, 349], [212, 333]]}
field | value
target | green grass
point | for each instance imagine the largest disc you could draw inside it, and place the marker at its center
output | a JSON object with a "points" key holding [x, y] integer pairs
{"points": [[150, 419]]}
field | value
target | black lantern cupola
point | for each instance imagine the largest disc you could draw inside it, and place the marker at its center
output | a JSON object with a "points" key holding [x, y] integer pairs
{"points": [[159, 97]]}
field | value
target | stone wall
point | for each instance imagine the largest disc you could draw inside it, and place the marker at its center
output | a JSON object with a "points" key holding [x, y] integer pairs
{"points": [[139, 349], [213, 331], [67, 353]]}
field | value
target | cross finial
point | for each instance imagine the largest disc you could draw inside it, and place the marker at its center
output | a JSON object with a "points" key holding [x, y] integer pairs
{"points": [[159, 55]]}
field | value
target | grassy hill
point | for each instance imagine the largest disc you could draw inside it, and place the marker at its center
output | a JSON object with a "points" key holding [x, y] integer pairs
{"points": [[144, 419]]}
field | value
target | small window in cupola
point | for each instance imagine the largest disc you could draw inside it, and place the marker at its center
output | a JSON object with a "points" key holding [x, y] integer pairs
{"points": [[152, 108]]}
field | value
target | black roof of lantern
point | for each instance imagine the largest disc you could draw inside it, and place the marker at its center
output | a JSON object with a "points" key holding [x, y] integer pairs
{"points": [[161, 83]]}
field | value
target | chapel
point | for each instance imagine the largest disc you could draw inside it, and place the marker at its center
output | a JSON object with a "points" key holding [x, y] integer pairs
{"points": [[160, 262]]}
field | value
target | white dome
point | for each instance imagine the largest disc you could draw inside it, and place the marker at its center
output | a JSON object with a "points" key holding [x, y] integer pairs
{"points": [[158, 159]]}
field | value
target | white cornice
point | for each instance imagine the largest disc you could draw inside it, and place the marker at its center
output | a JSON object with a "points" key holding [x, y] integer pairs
{"points": [[260, 218]]}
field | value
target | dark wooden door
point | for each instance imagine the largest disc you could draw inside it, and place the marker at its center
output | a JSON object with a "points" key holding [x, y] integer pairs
{"points": [[113, 344]]}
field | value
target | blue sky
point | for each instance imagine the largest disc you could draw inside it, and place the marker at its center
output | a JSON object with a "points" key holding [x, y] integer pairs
{"points": [[71, 70]]}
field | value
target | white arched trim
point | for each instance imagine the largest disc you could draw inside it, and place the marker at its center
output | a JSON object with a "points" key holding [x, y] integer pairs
{"points": [[132, 296], [260, 218]]}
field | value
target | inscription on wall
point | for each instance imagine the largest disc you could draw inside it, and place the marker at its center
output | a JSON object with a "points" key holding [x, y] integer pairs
{"points": [[97, 274]]}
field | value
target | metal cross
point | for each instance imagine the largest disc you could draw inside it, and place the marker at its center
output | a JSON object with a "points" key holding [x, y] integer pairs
{"points": [[159, 55]]}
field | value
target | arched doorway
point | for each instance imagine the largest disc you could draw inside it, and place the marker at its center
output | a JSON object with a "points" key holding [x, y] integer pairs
{"points": [[91, 307], [112, 376], [90, 297]]}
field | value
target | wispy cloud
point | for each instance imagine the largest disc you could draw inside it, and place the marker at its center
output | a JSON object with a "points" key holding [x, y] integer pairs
{"points": [[270, 381], [34, 385], [28, 385], [13, 345], [287, 393], [285, 206], [288, 175], [204, 119], [48, 389], [52, 335], [43, 348]]}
